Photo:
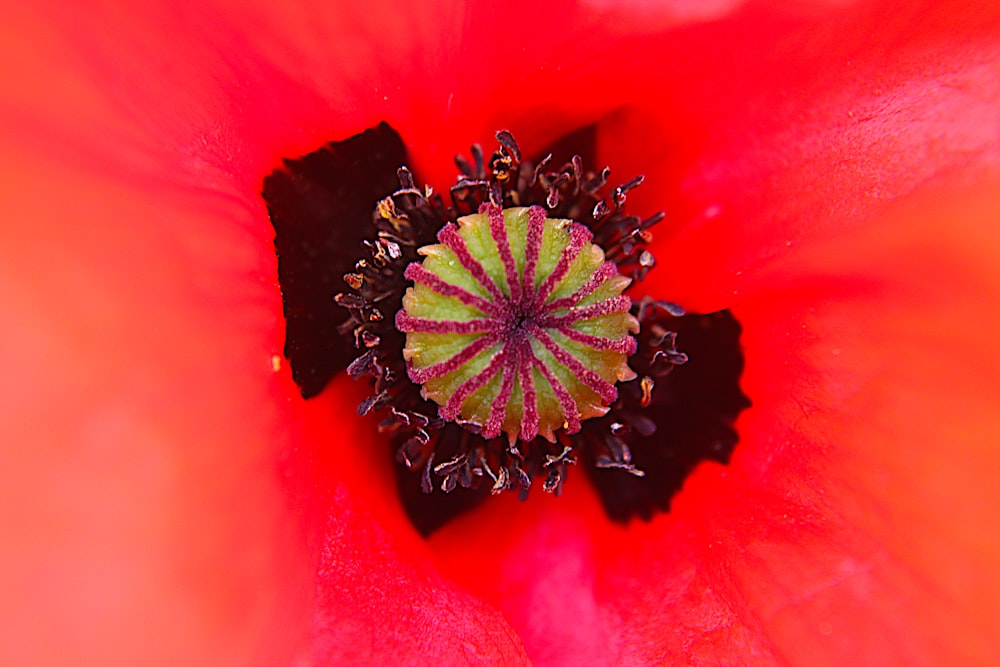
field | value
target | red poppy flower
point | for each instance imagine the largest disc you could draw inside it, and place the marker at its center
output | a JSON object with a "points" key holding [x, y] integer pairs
{"points": [[830, 171]]}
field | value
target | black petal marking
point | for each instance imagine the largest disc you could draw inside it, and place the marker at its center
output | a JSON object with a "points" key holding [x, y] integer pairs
{"points": [[321, 208], [689, 420]]}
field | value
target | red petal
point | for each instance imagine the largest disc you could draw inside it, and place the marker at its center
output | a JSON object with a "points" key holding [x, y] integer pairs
{"points": [[156, 445], [142, 319], [855, 523], [837, 188], [772, 129], [144, 492]]}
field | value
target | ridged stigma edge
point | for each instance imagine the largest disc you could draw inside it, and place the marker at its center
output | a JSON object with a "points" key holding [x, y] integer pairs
{"points": [[516, 323]]}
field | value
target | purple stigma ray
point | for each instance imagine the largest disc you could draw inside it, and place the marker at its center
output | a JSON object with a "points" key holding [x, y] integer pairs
{"points": [[579, 237], [626, 345], [529, 418], [605, 271], [406, 324], [450, 237], [419, 274], [498, 409], [619, 304], [498, 230], [600, 386], [422, 375], [571, 412], [533, 247], [453, 406]]}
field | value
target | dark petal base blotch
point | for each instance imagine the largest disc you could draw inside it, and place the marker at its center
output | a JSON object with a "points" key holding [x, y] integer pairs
{"points": [[321, 208], [689, 419]]}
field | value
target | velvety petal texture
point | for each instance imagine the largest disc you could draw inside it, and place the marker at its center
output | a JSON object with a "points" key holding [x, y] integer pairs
{"points": [[830, 172]]}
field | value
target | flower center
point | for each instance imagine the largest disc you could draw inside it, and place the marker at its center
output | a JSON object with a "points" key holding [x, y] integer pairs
{"points": [[514, 322], [517, 323]]}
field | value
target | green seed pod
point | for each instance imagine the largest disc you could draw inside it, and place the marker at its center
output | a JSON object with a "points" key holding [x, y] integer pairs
{"points": [[516, 323]]}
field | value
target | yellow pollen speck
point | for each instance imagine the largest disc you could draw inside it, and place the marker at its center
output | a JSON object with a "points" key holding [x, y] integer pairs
{"points": [[275, 362], [647, 391]]}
